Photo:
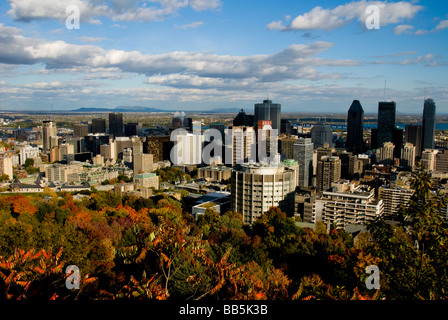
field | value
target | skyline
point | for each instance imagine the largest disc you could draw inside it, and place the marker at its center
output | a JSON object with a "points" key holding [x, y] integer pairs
{"points": [[201, 55]]}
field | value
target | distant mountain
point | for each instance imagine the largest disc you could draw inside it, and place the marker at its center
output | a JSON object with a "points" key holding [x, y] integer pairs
{"points": [[148, 109]]}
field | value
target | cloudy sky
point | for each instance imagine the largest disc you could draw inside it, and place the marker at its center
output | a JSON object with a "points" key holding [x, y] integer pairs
{"points": [[315, 56]]}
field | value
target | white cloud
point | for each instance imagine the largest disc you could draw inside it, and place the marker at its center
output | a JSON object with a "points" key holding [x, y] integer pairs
{"points": [[116, 10], [328, 19], [403, 29], [191, 25], [441, 26]]}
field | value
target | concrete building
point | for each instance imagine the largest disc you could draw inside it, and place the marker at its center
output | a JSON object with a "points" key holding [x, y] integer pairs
{"points": [[442, 162], [429, 157], [346, 203], [286, 146], [408, 156], [256, 188], [215, 173], [303, 154], [80, 130], [28, 152], [385, 154], [147, 180], [394, 198], [48, 130], [143, 163], [328, 171], [240, 145]]}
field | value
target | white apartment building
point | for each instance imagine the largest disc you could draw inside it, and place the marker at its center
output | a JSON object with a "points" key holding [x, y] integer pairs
{"points": [[256, 188], [346, 204]]}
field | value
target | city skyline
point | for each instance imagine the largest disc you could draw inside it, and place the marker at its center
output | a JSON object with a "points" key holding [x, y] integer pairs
{"points": [[200, 55]]}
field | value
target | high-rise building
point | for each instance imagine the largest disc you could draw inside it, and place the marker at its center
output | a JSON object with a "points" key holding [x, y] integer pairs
{"points": [[394, 198], [286, 146], [386, 122], [345, 203], [328, 171], [80, 129], [429, 157], [303, 154], [256, 188], [268, 111], [442, 162], [143, 162], [116, 124], [98, 125], [133, 129], [385, 154], [242, 119], [48, 130], [429, 124], [321, 133], [413, 134], [355, 127], [240, 145], [408, 156]]}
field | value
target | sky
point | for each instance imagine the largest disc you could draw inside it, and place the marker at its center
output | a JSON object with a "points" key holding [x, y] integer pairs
{"points": [[309, 56]]}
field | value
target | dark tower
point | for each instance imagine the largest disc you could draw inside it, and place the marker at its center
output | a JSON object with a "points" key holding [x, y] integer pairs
{"points": [[268, 111], [429, 124], [116, 124], [355, 127], [386, 122]]}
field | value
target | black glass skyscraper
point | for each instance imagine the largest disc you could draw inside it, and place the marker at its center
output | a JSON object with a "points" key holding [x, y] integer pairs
{"points": [[386, 122], [268, 111], [355, 126], [429, 124], [116, 124]]}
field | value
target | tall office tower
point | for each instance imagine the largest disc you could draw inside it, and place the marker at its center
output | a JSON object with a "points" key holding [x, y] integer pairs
{"points": [[240, 145], [256, 188], [321, 133], [442, 162], [386, 122], [397, 140], [268, 111], [285, 126], [133, 129], [429, 124], [328, 171], [116, 124], [413, 134], [386, 154], [429, 157], [48, 130], [408, 156], [355, 127], [143, 162], [98, 125], [286, 146], [303, 154], [242, 119], [347, 164], [80, 129]]}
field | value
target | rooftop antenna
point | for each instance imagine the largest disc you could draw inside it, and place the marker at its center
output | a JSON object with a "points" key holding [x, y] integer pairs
{"points": [[384, 90]]}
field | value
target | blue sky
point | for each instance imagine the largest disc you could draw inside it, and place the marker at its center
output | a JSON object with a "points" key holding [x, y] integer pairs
{"points": [[310, 56]]}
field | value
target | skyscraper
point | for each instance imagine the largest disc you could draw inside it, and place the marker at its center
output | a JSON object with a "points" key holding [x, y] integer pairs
{"points": [[303, 154], [408, 156], [98, 125], [242, 119], [48, 130], [328, 171], [80, 129], [321, 133], [116, 124], [355, 123], [429, 124], [386, 122], [268, 111], [413, 134]]}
